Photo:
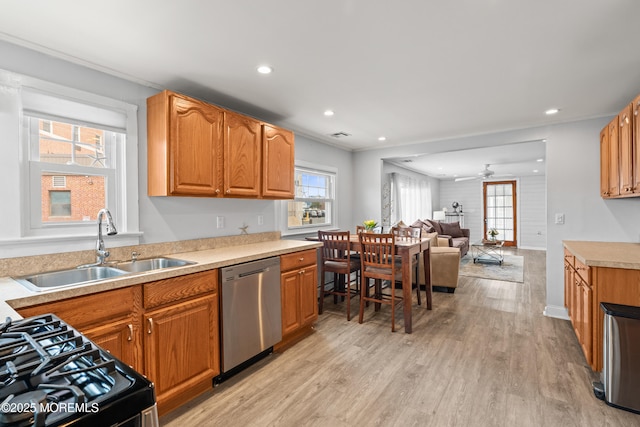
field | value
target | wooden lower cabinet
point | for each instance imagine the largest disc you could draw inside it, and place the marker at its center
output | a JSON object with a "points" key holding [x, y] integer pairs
{"points": [[167, 329], [114, 326], [181, 350], [299, 295], [585, 288]]}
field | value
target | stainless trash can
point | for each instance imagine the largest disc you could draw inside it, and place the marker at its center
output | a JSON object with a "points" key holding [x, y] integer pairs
{"points": [[620, 386]]}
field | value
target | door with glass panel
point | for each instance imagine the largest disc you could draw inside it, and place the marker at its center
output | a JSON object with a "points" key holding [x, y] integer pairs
{"points": [[500, 211]]}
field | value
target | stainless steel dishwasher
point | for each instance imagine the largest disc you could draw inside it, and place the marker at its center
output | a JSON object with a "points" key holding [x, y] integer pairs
{"points": [[251, 312]]}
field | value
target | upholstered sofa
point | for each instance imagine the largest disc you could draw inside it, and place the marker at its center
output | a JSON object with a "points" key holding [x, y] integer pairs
{"points": [[457, 237]]}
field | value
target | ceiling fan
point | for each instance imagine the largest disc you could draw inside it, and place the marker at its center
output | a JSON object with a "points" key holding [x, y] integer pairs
{"points": [[484, 174]]}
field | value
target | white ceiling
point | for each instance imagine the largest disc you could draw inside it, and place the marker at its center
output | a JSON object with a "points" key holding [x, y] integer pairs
{"points": [[412, 70]]}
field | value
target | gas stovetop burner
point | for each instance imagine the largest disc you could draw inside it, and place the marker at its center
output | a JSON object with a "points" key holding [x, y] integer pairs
{"points": [[51, 375]]}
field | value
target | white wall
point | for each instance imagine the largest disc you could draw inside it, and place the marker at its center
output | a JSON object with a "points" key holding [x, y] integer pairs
{"points": [[165, 219]]}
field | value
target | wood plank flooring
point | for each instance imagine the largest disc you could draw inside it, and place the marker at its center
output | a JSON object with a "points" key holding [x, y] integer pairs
{"points": [[484, 356]]}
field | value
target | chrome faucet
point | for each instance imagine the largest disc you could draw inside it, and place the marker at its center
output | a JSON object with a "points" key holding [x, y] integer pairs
{"points": [[101, 253]]}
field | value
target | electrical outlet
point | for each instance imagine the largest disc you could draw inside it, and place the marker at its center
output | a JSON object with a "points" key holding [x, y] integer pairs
{"points": [[260, 219], [220, 222], [559, 218]]}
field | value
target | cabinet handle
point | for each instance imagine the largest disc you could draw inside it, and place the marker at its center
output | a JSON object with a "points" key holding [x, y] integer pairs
{"points": [[150, 322], [130, 326], [217, 191], [228, 191], [301, 272], [301, 259]]}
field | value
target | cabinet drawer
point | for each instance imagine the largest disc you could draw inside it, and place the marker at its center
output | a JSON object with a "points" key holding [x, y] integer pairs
{"points": [[92, 309], [178, 288], [298, 259], [569, 258], [584, 271]]}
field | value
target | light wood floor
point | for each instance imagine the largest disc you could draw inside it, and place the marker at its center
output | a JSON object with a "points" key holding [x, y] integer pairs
{"points": [[484, 356]]}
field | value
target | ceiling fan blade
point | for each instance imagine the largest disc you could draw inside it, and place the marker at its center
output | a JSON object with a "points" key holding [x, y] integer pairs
{"points": [[466, 178]]}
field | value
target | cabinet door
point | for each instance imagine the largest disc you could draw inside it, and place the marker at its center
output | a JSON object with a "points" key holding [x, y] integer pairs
{"points": [[277, 163], [635, 136], [290, 295], [614, 170], [120, 339], [604, 162], [308, 295], [242, 153], [195, 136], [586, 321], [568, 283], [625, 126], [181, 349]]}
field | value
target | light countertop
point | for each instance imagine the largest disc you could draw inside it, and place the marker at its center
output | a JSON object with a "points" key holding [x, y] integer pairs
{"points": [[15, 296], [606, 254]]}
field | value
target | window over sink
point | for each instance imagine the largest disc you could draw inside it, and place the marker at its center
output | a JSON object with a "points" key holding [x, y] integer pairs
{"points": [[69, 153]]}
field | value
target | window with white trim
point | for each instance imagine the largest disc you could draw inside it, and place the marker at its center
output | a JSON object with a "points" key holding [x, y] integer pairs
{"points": [[69, 154], [313, 205]]}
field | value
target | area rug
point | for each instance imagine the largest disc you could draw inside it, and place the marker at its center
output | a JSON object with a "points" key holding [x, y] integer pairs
{"points": [[511, 269]]}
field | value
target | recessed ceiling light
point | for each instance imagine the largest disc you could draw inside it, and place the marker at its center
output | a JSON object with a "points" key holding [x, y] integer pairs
{"points": [[552, 111], [540, 160], [535, 171], [265, 69], [328, 113], [382, 138]]}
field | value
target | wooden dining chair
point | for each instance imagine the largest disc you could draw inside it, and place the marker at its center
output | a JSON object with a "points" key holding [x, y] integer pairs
{"points": [[378, 262], [410, 233], [336, 259]]}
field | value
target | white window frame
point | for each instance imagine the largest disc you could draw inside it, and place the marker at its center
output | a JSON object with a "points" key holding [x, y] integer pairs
{"points": [[18, 236], [285, 230]]}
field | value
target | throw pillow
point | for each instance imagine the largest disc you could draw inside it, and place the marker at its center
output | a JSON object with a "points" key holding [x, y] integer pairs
{"points": [[452, 229], [426, 228], [433, 239], [436, 225]]}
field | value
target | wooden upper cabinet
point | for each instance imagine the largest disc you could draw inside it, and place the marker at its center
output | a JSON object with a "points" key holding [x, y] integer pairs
{"points": [[635, 112], [604, 162], [614, 156], [184, 145], [625, 125], [277, 163], [198, 149], [242, 154]]}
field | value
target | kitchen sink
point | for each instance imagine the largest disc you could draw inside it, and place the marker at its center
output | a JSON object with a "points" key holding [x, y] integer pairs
{"points": [[63, 278], [79, 276], [141, 265]]}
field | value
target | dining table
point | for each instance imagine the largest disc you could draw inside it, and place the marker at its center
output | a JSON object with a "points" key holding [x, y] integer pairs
{"points": [[406, 248]]}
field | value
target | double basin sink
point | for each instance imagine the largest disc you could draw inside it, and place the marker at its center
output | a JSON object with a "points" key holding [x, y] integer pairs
{"points": [[77, 276]]}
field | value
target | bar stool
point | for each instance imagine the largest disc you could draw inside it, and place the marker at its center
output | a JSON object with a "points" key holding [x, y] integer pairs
{"points": [[336, 259], [378, 262], [405, 233]]}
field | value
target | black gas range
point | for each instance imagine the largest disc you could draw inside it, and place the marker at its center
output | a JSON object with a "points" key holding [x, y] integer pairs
{"points": [[51, 375]]}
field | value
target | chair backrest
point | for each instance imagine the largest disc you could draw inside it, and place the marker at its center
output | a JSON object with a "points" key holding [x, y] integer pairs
{"points": [[377, 255], [405, 233], [336, 245], [360, 229]]}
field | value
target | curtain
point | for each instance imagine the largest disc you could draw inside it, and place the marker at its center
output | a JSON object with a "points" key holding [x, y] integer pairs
{"points": [[410, 199]]}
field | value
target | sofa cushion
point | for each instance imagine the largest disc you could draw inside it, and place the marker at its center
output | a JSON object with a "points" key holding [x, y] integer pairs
{"points": [[452, 229], [426, 228]]}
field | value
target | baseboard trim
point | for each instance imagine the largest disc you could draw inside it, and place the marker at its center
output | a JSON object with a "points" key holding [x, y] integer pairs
{"points": [[532, 248], [556, 312]]}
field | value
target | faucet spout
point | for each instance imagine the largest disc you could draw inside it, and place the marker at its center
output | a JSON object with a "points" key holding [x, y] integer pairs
{"points": [[101, 252]]}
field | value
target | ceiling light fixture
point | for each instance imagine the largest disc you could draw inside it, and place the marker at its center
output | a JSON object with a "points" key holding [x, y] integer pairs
{"points": [[265, 69], [552, 111], [540, 160], [382, 138], [535, 171], [328, 113]]}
